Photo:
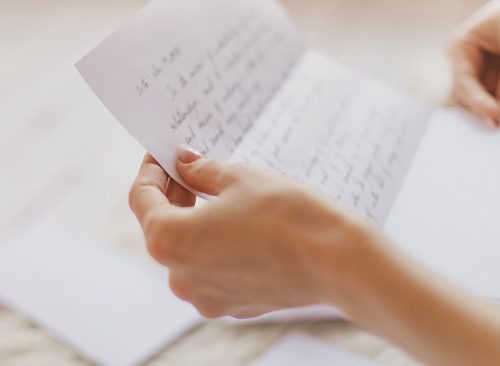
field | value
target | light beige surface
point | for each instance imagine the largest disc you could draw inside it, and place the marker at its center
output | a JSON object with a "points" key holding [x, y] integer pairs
{"points": [[63, 154]]}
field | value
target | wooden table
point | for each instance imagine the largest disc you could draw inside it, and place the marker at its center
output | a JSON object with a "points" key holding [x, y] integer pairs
{"points": [[63, 154]]}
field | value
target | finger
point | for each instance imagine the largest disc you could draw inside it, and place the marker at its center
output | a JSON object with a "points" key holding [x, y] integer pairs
{"points": [[498, 87], [182, 286], [489, 80], [149, 189], [178, 195], [495, 65], [203, 174], [469, 91], [490, 74]]}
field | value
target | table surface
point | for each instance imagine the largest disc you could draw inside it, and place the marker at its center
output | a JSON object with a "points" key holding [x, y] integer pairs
{"points": [[64, 155]]}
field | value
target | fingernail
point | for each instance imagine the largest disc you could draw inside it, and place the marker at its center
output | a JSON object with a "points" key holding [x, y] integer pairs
{"points": [[490, 123], [186, 154]]}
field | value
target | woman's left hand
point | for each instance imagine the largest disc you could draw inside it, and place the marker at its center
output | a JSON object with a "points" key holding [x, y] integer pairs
{"points": [[475, 55]]}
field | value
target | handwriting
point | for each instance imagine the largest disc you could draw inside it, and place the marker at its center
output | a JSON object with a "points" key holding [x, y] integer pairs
{"points": [[181, 115], [322, 130], [217, 93], [157, 70]]}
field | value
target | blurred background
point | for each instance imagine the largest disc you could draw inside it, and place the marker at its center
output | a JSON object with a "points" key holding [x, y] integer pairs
{"points": [[63, 154]]}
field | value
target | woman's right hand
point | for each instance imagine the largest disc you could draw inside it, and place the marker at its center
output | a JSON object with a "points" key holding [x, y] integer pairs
{"points": [[475, 54], [268, 243], [265, 243]]}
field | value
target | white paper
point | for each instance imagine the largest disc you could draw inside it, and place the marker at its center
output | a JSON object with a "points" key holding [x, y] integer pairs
{"points": [[193, 72], [108, 306], [246, 84], [276, 106], [448, 212], [337, 130], [238, 85], [301, 350], [304, 313]]}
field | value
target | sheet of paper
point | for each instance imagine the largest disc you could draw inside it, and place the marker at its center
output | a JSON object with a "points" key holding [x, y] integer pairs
{"points": [[447, 214], [339, 131], [111, 308], [305, 313], [245, 89], [193, 72], [301, 350]]}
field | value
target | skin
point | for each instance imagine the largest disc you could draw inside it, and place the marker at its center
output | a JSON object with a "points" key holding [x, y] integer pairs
{"points": [[475, 56], [268, 243]]}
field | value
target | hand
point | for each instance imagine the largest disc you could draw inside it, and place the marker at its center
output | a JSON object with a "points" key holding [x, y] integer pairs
{"points": [[475, 53], [265, 243]]}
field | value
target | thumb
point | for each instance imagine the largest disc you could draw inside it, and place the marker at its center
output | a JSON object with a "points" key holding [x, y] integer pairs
{"points": [[201, 173]]}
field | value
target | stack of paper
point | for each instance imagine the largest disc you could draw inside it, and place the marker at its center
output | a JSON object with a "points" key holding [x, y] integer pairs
{"points": [[300, 350], [108, 306]]}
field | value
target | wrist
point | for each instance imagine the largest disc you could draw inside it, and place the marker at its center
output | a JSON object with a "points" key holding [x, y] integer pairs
{"points": [[351, 263], [378, 287], [364, 275], [352, 266]]}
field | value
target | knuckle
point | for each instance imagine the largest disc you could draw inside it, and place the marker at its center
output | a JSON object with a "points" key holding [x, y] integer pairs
{"points": [[208, 305], [181, 288], [236, 170], [229, 175], [154, 240], [280, 195], [205, 167], [156, 249], [141, 184], [131, 197], [163, 237], [271, 198], [132, 194], [210, 311]]}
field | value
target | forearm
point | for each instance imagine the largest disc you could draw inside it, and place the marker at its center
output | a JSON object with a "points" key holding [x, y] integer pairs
{"points": [[301, 249], [431, 319]]}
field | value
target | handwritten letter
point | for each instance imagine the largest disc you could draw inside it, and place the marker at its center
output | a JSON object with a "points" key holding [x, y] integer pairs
{"points": [[348, 136], [193, 72], [231, 79]]}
